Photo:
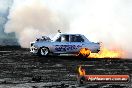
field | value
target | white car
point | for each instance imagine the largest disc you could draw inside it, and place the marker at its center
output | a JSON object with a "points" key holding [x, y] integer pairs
{"points": [[64, 44]]}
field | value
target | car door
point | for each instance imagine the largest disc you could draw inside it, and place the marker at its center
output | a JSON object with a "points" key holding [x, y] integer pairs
{"points": [[77, 42], [61, 44]]}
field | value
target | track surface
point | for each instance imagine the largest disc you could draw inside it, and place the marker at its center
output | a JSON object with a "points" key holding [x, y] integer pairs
{"points": [[18, 68]]}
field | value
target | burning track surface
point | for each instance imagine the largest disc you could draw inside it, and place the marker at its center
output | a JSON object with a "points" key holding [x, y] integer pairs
{"points": [[21, 69]]}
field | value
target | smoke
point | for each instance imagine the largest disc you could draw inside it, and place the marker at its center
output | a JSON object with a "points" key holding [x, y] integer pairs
{"points": [[32, 18], [107, 21]]}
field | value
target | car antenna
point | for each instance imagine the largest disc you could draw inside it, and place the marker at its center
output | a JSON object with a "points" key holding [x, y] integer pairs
{"points": [[59, 31]]}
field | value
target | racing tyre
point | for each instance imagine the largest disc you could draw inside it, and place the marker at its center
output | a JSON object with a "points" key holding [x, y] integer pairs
{"points": [[84, 53], [43, 51]]}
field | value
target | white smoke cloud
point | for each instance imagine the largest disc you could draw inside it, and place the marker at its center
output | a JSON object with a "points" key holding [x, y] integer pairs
{"points": [[108, 21], [32, 18]]}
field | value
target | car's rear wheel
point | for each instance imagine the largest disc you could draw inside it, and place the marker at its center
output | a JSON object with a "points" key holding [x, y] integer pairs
{"points": [[43, 51], [84, 52]]}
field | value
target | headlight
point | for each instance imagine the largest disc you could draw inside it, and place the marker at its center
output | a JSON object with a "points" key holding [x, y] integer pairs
{"points": [[32, 44]]}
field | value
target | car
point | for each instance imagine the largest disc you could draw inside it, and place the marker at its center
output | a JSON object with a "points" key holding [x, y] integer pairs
{"points": [[76, 44]]}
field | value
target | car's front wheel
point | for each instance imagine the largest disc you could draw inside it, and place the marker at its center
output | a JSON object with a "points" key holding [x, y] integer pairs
{"points": [[43, 51]]}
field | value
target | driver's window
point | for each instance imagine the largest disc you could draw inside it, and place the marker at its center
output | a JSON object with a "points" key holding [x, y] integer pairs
{"points": [[65, 38]]}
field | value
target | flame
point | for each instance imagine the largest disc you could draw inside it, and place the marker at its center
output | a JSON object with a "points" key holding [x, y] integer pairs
{"points": [[84, 52], [106, 53], [81, 71]]}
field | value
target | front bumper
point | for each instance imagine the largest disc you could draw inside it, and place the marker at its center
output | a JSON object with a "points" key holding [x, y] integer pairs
{"points": [[33, 50]]}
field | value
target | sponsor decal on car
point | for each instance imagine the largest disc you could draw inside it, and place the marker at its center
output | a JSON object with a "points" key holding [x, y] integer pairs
{"points": [[66, 47]]}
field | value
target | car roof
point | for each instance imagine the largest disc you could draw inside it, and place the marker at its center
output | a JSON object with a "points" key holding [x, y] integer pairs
{"points": [[70, 34]]}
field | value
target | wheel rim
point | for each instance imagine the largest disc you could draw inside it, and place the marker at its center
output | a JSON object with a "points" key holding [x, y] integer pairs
{"points": [[44, 51]]}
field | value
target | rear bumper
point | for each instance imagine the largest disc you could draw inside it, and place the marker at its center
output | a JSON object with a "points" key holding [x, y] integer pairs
{"points": [[98, 50], [95, 51]]}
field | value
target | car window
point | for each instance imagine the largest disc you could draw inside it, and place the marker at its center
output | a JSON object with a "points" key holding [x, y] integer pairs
{"points": [[58, 40], [76, 38], [65, 38]]}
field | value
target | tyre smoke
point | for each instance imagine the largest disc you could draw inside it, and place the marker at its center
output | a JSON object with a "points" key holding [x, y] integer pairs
{"points": [[106, 21], [31, 18]]}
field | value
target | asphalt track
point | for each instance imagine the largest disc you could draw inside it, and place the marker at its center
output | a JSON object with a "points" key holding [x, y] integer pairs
{"points": [[20, 69]]}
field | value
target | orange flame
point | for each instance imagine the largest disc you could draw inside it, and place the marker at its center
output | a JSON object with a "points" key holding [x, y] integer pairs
{"points": [[81, 71], [106, 53], [84, 52]]}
